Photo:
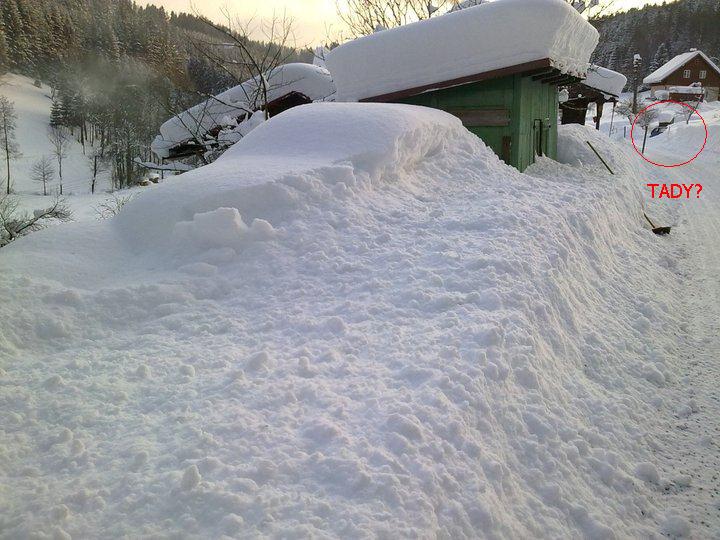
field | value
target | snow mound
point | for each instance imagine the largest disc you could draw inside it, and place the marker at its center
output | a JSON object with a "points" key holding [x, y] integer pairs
{"points": [[349, 145], [462, 43], [310, 80], [573, 149], [223, 227]]}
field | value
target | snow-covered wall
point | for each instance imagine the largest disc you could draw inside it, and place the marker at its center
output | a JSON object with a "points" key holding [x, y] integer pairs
{"points": [[463, 43]]}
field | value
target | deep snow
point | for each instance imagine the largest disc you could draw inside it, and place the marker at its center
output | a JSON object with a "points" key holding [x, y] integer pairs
{"points": [[357, 322]]}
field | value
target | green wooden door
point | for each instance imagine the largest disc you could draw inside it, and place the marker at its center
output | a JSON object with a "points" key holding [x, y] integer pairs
{"points": [[515, 116]]}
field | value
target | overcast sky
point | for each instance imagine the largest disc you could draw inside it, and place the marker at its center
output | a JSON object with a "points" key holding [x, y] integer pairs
{"points": [[311, 17]]}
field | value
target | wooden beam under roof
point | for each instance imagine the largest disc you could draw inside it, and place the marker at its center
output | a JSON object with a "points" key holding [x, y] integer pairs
{"points": [[525, 67]]}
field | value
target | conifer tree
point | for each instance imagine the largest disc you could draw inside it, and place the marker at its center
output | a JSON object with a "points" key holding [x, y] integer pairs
{"points": [[56, 114], [662, 56], [17, 42], [3, 47]]}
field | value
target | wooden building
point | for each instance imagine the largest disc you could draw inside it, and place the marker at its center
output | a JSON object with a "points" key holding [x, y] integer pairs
{"points": [[601, 86], [686, 70], [495, 67], [513, 110]]}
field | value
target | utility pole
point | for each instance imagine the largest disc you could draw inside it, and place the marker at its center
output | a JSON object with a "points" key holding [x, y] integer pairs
{"points": [[637, 67]]}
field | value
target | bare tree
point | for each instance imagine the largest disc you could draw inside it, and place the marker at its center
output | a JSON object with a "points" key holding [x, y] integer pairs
{"points": [[688, 112], [243, 59], [97, 164], [43, 172], [364, 17], [112, 206], [15, 223], [60, 142], [645, 120], [625, 108], [8, 119]]}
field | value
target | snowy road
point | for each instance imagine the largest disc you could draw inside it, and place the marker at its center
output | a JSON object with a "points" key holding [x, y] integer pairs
{"points": [[689, 440]]}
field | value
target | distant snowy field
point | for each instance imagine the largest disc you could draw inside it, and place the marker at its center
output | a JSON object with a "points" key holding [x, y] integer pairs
{"points": [[357, 323]]}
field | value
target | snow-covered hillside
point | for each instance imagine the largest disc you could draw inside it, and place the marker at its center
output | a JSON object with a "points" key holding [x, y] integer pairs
{"points": [[363, 324], [32, 106]]}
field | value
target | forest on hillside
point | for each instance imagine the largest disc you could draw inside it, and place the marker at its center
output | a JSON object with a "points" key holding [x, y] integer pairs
{"points": [[658, 33], [118, 70]]}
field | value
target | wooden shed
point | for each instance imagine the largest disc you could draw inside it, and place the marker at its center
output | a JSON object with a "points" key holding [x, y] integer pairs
{"points": [[496, 66], [513, 110]]}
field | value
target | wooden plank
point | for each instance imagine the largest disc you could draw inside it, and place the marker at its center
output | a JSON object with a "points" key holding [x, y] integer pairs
{"points": [[493, 74], [482, 117], [545, 73], [506, 148], [555, 80]]}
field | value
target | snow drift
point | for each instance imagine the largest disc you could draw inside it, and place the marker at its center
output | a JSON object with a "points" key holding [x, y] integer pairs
{"points": [[494, 35], [358, 322]]}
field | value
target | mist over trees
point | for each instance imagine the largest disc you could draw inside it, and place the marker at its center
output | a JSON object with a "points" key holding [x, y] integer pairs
{"points": [[117, 70]]}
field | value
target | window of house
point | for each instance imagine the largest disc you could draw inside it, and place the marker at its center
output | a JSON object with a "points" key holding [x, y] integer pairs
{"points": [[703, 74], [686, 74]]}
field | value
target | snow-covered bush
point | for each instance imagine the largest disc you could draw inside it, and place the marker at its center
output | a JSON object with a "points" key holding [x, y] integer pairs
{"points": [[15, 222]]}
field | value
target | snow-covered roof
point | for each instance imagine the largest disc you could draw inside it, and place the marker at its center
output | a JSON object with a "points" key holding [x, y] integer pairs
{"points": [[313, 81], [659, 75], [464, 43], [609, 82]]}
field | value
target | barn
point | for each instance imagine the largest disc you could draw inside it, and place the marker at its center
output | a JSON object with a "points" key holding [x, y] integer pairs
{"points": [[693, 69], [496, 66]]}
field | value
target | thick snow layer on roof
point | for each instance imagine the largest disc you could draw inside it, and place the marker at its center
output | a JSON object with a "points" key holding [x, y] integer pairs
{"points": [[313, 81], [698, 90], [358, 321], [609, 82], [676, 63], [463, 43]]}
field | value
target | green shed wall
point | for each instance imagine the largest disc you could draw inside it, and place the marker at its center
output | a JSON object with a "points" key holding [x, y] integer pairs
{"points": [[531, 106]]}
